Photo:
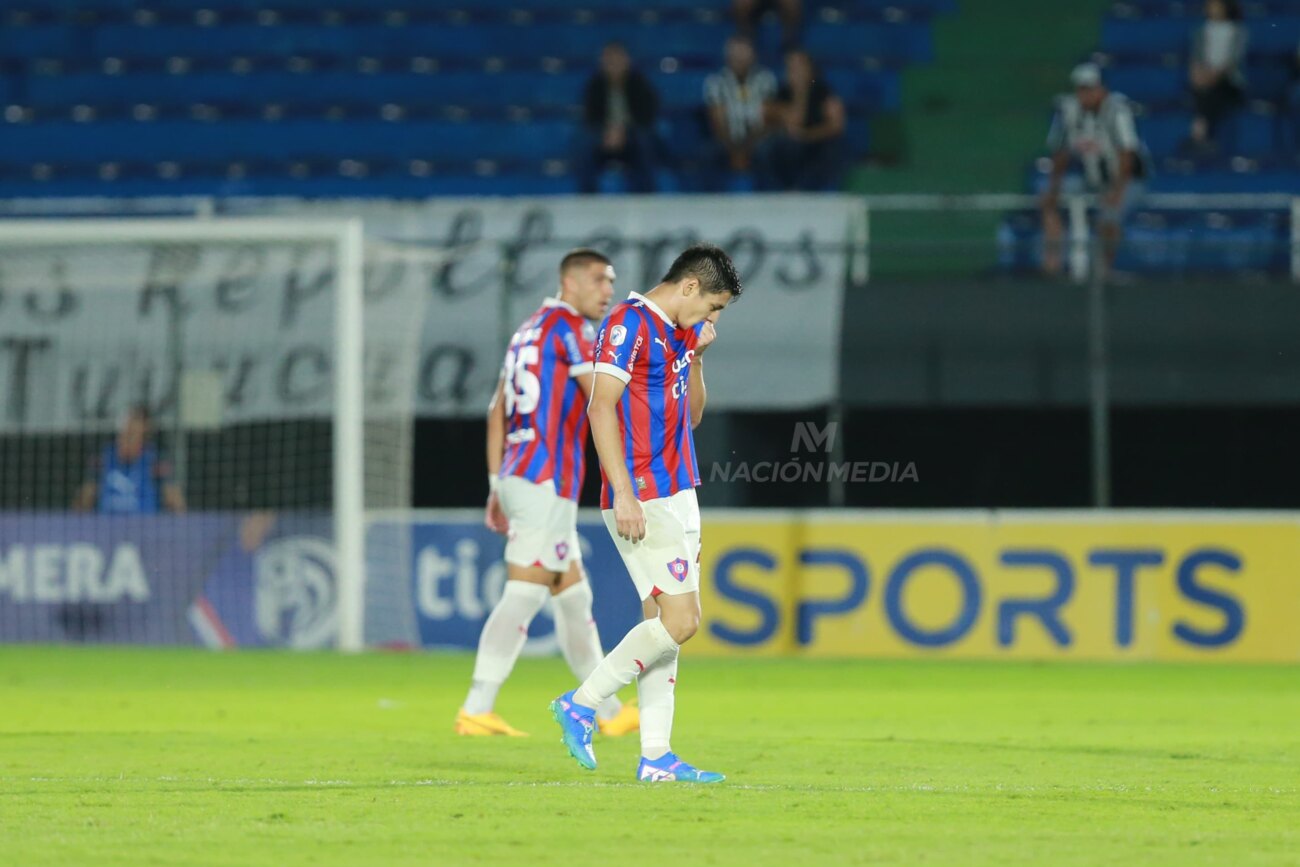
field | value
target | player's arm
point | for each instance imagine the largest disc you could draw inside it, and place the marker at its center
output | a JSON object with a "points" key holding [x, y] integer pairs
{"points": [[602, 412], [696, 390], [495, 518], [698, 394]]}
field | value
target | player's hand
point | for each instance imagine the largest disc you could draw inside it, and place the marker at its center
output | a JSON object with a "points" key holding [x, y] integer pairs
{"points": [[708, 334], [629, 517], [495, 518]]}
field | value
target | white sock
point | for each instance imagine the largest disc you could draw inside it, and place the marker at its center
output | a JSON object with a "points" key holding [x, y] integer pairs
{"points": [[656, 690], [579, 640], [502, 638], [643, 646]]}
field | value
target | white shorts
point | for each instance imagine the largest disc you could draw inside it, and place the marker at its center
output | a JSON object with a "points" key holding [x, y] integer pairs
{"points": [[543, 525], [667, 560]]}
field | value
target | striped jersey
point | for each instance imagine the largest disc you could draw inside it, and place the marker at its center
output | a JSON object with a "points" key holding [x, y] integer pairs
{"points": [[640, 345], [742, 102], [1098, 139], [546, 413]]}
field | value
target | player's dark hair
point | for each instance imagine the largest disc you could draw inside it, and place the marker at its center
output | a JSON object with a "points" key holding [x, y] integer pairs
{"points": [[710, 264], [581, 256]]}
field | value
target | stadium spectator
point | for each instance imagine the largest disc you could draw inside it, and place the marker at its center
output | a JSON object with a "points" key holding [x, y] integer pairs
{"points": [[736, 99], [129, 476], [1218, 51], [749, 12], [1097, 128], [619, 110], [805, 151]]}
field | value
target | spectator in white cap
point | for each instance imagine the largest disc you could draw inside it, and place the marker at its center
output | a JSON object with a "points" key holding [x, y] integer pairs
{"points": [[1095, 129]]}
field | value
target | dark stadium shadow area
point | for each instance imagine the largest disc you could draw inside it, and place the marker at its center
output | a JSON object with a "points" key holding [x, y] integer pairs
{"points": [[1206, 457], [998, 457], [970, 457]]}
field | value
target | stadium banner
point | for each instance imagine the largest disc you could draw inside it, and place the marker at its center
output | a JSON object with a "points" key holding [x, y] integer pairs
{"points": [[458, 574], [88, 330], [1031, 586], [222, 580], [971, 585]]}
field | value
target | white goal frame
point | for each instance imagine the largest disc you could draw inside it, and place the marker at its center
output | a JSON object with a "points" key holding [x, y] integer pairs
{"points": [[347, 239]]}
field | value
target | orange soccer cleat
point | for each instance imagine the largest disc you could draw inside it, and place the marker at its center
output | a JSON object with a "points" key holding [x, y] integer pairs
{"points": [[489, 723]]}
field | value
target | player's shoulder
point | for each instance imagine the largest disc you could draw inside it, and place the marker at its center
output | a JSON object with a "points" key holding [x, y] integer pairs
{"points": [[629, 314]]}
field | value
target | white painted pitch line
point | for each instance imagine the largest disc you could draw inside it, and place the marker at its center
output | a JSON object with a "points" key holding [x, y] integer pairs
{"points": [[577, 784]]}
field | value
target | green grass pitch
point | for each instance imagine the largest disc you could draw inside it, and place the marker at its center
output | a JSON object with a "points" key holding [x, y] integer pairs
{"points": [[139, 757]]}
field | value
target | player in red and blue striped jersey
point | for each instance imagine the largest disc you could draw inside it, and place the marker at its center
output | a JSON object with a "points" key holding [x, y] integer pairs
{"points": [[653, 416], [537, 436], [647, 399]]}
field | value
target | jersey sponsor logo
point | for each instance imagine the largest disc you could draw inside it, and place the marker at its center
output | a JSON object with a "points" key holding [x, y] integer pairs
{"points": [[523, 435], [613, 356], [561, 550], [617, 335], [679, 568], [662, 342]]}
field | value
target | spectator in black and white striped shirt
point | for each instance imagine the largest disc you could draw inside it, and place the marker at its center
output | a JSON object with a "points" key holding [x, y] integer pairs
{"points": [[1097, 129], [736, 99]]}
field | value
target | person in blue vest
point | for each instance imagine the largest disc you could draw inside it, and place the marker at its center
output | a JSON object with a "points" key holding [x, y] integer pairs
{"points": [[129, 476]]}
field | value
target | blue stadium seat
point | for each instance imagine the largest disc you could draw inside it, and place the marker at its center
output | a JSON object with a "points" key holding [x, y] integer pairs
{"points": [[1226, 181], [1146, 38], [456, 117], [1245, 133], [469, 89], [1146, 83], [1165, 85], [186, 141], [908, 42], [38, 40], [874, 90], [679, 90], [1153, 37]]}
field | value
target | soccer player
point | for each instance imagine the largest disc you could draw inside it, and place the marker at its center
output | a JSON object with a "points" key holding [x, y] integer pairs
{"points": [[647, 399], [536, 440]]}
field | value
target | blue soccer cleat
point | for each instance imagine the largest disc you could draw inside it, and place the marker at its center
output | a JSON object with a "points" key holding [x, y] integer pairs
{"points": [[576, 724], [670, 769]]}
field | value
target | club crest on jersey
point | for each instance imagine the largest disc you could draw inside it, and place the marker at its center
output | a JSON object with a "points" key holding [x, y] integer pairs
{"points": [[561, 550], [617, 335], [679, 568]]}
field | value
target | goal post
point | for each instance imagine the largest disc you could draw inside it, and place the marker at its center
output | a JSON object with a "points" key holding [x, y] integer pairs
{"points": [[73, 297]]}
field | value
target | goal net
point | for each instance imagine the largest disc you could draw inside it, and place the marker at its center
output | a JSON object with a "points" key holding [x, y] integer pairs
{"points": [[196, 416]]}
